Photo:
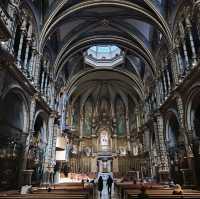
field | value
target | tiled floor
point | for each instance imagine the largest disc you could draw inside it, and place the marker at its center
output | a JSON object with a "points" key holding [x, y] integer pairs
{"points": [[105, 194]]}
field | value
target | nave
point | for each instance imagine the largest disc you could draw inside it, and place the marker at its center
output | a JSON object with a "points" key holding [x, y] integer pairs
{"points": [[106, 195], [91, 88]]}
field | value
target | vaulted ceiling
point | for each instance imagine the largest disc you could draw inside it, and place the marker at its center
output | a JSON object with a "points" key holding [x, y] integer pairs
{"points": [[73, 26]]}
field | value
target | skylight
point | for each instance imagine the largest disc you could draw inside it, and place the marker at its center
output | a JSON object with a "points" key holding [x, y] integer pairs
{"points": [[104, 52], [104, 55]]}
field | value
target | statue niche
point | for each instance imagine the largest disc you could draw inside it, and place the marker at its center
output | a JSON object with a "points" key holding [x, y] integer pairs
{"points": [[104, 139]]}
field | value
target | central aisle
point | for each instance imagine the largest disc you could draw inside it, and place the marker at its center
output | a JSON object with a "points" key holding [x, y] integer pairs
{"points": [[105, 194]]}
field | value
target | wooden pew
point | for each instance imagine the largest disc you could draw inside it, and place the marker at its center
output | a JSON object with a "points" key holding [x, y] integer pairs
{"points": [[67, 191], [163, 193], [122, 186]]}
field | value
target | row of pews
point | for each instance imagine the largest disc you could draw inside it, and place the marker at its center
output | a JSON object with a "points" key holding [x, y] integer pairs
{"points": [[60, 191], [128, 190]]}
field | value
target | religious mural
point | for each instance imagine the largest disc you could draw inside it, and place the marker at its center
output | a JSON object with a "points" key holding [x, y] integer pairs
{"points": [[87, 126], [75, 115], [120, 116]]}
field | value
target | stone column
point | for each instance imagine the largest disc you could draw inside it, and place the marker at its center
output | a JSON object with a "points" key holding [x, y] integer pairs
{"points": [[37, 69], [46, 85], [42, 82], [52, 104], [164, 78], [187, 138], [28, 48], [189, 29], [49, 159], [32, 62], [55, 133], [175, 64], [28, 139], [12, 25], [164, 165], [137, 119], [158, 93], [168, 75], [81, 130], [182, 36], [161, 90], [181, 67], [128, 131], [23, 29]]}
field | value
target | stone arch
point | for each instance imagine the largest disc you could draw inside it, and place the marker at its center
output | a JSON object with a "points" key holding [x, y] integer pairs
{"points": [[171, 121], [192, 103], [38, 144], [14, 127], [175, 142], [192, 120], [17, 90]]}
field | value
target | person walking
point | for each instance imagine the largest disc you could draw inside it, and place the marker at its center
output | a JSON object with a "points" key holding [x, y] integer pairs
{"points": [[100, 185], [109, 184]]}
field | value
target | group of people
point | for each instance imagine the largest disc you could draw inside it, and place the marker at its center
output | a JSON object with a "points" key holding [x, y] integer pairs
{"points": [[108, 183]]}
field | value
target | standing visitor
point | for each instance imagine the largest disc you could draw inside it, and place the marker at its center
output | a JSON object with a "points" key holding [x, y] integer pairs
{"points": [[100, 185], [109, 184]]}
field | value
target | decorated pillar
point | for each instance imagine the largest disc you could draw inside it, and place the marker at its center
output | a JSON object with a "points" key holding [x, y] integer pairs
{"points": [[32, 66], [182, 37], [23, 29], [161, 147], [128, 130], [189, 30], [26, 175], [164, 79], [94, 136], [28, 48], [13, 7], [37, 69], [158, 92], [42, 82], [81, 130], [187, 135], [49, 161], [168, 75], [177, 62]]}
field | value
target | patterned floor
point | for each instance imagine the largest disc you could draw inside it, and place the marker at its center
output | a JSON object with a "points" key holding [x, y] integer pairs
{"points": [[105, 194]]}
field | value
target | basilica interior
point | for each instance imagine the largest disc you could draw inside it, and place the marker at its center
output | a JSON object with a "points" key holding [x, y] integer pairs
{"points": [[96, 88]]}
